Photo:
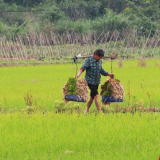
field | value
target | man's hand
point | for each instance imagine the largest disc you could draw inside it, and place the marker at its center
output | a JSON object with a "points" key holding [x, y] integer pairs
{"points": [[79, 73], [110, 75], [76, 76]]}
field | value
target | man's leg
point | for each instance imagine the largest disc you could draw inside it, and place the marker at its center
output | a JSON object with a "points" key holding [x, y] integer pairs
{"points": [[89, 104], [97, 103]]}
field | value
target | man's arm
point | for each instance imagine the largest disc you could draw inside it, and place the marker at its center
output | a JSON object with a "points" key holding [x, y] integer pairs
{"points": [[85, 65], [79, 73], [105, 73]]}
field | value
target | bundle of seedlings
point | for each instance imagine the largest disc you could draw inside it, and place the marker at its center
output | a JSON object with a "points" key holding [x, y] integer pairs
{"points": [[76, 87], [112, 88]]}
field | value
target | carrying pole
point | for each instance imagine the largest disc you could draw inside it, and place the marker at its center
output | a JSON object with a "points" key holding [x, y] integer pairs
{"points": [[113, 56]]}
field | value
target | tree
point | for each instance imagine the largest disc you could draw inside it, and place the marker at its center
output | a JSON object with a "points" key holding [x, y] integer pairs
{"points": [[28, 3]]}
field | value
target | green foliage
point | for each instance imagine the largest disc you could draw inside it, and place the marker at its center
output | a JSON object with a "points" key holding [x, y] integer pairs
{"points": [[51, 13], [80, 16], [59, 106], [81, 26], [81, 9], [137, 19], [28, 98], [72, 86], [25, 3], [107, 89], [110, 22], [3, 28], [3, 6], [117, 79]]}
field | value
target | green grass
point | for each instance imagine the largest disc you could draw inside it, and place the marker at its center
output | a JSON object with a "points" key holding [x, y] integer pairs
{"points": [[45, 135], [63, 136], [45, 83]]}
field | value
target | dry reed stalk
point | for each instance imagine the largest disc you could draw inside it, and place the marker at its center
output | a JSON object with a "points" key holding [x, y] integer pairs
{"points": [[157, 41], [107, 48], [121, 46], [36, 50], [28, 40], [8, 50], [48, 47], [41, 44], [88, 42], [142, 62], [55, 43], [120, 63], [23, 48], [12, 50], [2, 51], [5, 49], [53, 38], [145, 44], [50, 50], [102, 39], [97, 37], [57, 51], [128, 43], [20, 52], [133, 41], [116, 38]]}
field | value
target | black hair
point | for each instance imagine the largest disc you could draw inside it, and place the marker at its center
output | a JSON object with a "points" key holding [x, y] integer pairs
{"points": [[99, 52]]}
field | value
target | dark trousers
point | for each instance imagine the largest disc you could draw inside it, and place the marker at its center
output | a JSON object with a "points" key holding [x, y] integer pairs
{"points": [[94, 90]]}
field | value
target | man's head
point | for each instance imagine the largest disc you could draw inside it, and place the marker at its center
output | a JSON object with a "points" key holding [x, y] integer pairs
{"points": [[98, 54]]}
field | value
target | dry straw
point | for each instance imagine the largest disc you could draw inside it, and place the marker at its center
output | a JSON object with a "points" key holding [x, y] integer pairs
{"points": [[117, 90], [82, 89], [142, 62], [51, 45]]}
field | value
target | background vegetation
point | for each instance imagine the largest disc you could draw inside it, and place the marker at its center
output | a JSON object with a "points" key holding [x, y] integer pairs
{"points": [[82, 16], [49, 30]]}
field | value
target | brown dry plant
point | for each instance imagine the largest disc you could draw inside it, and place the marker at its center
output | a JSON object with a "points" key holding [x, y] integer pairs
{"points": [[82, 89], [120, 63], [142, 62]]}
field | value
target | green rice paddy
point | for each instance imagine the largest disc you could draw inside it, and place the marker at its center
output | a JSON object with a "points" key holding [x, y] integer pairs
{"points": [[45, 83], [46, 135]]}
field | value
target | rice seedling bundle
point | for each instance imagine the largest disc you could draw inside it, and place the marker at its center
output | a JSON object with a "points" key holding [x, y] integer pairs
{"points": [[76, 87], [112, 87]]}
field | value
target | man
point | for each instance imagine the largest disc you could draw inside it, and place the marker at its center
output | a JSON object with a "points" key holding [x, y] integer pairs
{"points": [[93, 67]]}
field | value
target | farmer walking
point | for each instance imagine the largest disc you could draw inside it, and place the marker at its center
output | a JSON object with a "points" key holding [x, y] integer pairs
{"points": [[93, 67]]}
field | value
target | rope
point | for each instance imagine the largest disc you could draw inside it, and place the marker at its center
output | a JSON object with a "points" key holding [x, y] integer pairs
{"points": [[76, 68], [111, 65]]}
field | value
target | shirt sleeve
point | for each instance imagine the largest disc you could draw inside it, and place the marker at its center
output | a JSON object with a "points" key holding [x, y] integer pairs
{"points": [[103, 72], [85, 65]]}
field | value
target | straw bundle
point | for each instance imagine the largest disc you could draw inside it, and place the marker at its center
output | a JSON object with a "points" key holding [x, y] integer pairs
{"points": [[81, 88], [115, 87]]}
